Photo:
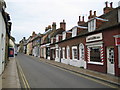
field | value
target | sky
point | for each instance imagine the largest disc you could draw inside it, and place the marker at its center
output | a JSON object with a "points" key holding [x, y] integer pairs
{"points": [[34, 15]]}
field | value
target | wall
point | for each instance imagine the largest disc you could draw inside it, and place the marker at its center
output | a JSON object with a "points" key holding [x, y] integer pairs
{"points": [[2, 42]]}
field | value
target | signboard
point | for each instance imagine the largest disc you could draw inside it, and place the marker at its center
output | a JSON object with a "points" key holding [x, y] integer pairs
{"points": [[94, 37], [117, 41]]}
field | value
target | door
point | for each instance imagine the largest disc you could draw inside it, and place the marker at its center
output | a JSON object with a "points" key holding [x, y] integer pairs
{"points": [[110, 60], [82, 56]]}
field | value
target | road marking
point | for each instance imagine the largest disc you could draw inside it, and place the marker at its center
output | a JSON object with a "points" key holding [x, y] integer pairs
{"points": [[25, 82], [90, 78]]}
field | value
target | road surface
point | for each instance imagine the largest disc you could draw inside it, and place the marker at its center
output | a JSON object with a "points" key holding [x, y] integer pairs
{"points": [[42, 75]]}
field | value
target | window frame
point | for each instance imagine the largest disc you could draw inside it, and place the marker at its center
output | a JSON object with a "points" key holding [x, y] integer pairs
{"points": [[74, 32], [88, 51], [92, 25], [73, 54], [63, 52], [68, 52]]}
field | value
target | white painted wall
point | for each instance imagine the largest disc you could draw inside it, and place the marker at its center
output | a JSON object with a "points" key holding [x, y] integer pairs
{"points": [[2, 42]]}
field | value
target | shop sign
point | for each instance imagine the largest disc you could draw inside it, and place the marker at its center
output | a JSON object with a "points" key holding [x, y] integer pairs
{"points": [[94, 37], [117, 41]]}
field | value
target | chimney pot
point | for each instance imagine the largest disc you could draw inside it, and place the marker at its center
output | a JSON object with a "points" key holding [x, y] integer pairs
{"points": [[106, 3], [63, 25], [79, 18], [90, 12], [111, 4], [83, 18], [94, 13]]}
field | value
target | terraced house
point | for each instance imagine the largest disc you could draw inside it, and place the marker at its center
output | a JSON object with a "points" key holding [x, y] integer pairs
{"points": [[36, 41], [5, 29], [93, 44]]}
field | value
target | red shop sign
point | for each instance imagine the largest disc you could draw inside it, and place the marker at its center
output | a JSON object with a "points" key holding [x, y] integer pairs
{"points": [[117, 40]]}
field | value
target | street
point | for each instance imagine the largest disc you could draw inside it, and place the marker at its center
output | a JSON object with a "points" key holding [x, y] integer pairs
{"points": [[42, 75]]}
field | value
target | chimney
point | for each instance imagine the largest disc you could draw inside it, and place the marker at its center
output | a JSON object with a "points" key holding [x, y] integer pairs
{"points": [[94, 13], [111, 4], [90, 16], [63, 25], [54, 26], [83, 19], [33, 34], [81, 22], [46, 29], [49, 26], [106, 3], [108, 9], [79, 18]]}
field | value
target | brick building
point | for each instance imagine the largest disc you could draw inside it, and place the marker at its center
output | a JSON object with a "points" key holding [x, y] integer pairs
{"points": [[93, 44]]}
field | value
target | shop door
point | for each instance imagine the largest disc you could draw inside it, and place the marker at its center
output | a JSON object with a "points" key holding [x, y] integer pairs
{"points": [[110, 60]]}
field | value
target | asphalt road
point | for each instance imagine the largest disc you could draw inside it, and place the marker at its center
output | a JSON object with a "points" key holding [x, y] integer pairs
{"points": [[43, 75]]}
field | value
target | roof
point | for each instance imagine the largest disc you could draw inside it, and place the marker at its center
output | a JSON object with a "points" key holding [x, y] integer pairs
{"points": [[110, 18]]}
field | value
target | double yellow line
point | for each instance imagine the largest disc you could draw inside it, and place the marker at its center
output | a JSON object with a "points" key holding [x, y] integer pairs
{"points": [[24, 80]]}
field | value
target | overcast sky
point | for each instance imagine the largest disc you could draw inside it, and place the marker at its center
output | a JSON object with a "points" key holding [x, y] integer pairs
{"points": [[34, 15]]}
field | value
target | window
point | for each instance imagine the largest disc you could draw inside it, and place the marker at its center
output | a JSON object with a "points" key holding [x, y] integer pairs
{"points": [[63, 53], [74, 32], [48, 52], [119, 15], [119, 55], [95, 54], [64, 35], [92, 25], [81, 51], [74, 53], [68, 52], [57, 38], [57, 53]]}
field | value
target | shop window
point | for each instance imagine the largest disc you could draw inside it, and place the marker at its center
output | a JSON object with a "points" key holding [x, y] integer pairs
{"points": [[95, 54], [74, 53]]}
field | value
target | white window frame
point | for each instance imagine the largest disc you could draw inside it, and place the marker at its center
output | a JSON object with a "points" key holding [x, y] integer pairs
{"points": [[119, 15], [74, 32], [57, 53], [81, 46], [74, 47], [64, 35], [68, 52], [57, 38], [88, 48], [92, 25], [119, 56], [63, 52]]}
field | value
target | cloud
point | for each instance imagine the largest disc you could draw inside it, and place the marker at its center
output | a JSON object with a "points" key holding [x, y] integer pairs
{"points": [[35, 15]]}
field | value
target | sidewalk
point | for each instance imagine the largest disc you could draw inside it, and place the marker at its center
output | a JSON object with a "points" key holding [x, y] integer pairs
{"points": [[10, 77], [97, 75]]}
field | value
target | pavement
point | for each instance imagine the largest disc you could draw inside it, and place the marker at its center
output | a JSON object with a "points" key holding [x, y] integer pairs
{"points": [[10, 77]]}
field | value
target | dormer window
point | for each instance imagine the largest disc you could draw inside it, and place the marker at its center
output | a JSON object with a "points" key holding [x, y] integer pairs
{"points": [[119, 15], [77, 29], [64, 35], [92, 25], [74, 31], [57, 38]]}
